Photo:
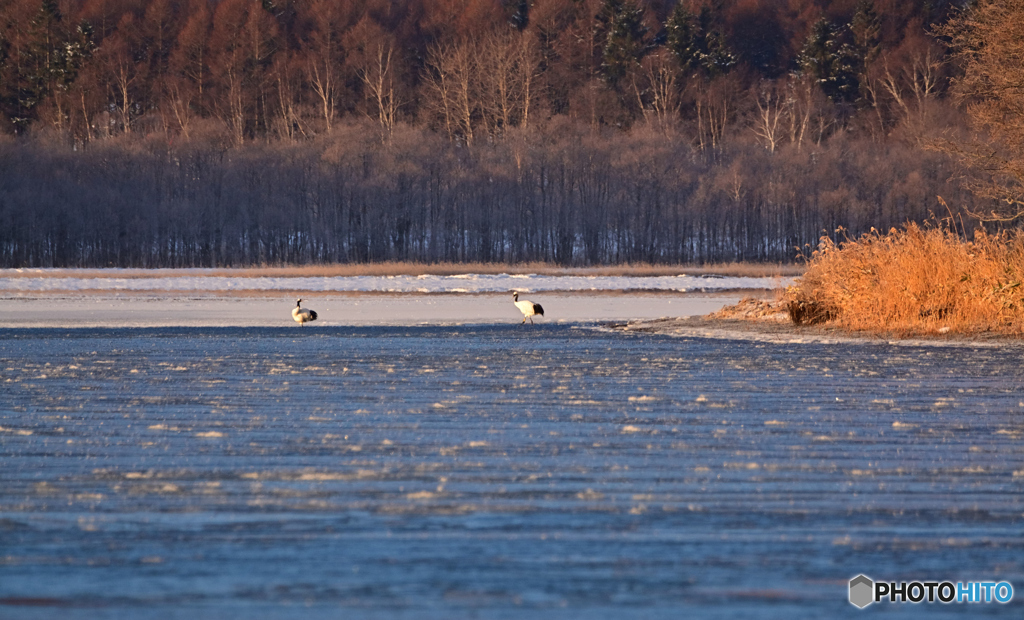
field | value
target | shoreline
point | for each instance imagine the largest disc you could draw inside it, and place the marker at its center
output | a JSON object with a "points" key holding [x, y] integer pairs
{"points": [[776, 331], [740, 314]]}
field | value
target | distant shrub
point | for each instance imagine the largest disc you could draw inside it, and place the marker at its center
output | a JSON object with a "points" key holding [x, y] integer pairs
{"points": [[915, 280]]}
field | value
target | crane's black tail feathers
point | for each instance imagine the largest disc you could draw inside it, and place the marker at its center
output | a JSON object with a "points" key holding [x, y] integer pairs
{"points": [[538, 310], [312, 315]]}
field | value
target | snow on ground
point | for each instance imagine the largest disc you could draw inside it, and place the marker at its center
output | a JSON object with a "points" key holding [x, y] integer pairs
{"points": [[195, 280], [193, 297], [163, 298], [166, 310]]}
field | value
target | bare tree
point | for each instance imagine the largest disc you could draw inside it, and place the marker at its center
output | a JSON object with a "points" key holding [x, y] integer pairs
{"points": [[894, 87], [324, 81], [658, 98], [803, 100], [916, 83], [179, 97], [450, 78], [287, 86], [771, 108], [324, 56], [924, 75], [379, 80], [713, 102], [507, 67], [122, 72], [261, 44], [190, 59], [233, 77], [988, 39], [809, 112]]}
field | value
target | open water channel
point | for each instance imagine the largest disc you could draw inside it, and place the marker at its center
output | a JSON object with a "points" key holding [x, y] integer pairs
{"points": [[489, 471]]}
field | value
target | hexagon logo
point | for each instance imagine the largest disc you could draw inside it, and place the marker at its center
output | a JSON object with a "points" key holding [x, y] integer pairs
{"points": [[861, 591]]}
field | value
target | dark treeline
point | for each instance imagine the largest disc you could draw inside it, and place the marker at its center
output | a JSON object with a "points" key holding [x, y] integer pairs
{"points": [[566, 195], [239, 132]]}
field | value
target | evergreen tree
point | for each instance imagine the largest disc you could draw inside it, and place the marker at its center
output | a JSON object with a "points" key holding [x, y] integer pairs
{"points": [[39, 64], [697, 43], [718, 59], [625, 41], [681, 37], [830, 61], [604, 21], [49, 62], [5, 79], [519, 15], [866, 28]]}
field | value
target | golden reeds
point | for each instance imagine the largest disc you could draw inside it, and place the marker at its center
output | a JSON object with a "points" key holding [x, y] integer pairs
{"points": [[915, 281]]}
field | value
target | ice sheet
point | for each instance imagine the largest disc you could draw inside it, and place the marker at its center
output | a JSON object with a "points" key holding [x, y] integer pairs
{"points": [[209, 298], [200, 280], [137, 309]]}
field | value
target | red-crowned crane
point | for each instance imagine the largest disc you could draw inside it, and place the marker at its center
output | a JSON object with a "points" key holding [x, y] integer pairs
{"points": [[302, 315], [528, 308]]}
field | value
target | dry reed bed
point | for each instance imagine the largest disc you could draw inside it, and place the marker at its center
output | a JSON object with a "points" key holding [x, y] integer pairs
{"points": [[915, 281], [439, 269]]}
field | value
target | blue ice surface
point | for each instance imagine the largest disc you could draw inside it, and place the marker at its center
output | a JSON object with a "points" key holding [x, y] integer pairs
{"points": [[555, 471]]}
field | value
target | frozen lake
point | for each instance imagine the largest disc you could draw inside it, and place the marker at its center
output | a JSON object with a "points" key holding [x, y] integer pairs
{"points": [[497, 471], [222, 310], [208, 280]]}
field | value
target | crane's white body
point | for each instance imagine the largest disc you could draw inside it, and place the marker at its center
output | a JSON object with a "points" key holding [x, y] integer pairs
{"points": [[528, 308], [302, 315]]}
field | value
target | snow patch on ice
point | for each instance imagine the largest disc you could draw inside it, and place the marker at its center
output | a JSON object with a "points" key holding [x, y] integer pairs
{"points": [[462, 283]]}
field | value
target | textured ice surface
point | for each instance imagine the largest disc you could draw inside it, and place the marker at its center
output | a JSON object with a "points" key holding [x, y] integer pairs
{"points": [[496, 472]]}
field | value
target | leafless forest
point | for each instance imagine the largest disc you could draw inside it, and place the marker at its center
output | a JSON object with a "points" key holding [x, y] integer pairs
{"points": [[173, 133]]}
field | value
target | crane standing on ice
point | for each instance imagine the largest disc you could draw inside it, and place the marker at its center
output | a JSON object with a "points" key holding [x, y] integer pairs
{"points": [[302, 315], [528, 308]]}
